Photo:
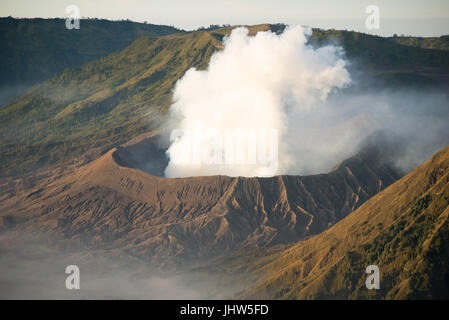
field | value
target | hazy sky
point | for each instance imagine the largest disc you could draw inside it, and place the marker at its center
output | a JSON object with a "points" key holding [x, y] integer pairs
{"points": [[409, 17]]}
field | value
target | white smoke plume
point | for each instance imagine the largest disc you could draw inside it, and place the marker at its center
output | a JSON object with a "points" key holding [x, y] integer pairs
{"points": [[266, 83], [305, 99]]}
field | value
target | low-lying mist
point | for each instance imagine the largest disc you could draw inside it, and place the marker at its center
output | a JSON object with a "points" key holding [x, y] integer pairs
{"points": [[304, 94], [30, 269]]}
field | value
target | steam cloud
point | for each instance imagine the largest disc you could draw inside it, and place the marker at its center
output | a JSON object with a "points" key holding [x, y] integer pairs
{"points": [[262, 83], [321, 112]]}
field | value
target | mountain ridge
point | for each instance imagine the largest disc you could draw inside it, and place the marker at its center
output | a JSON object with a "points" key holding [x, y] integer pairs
{"points": [[35, 49]]}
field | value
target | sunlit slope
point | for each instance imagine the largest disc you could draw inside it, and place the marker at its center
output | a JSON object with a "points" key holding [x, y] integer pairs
{"points": [[102, 103], [404, 230]]}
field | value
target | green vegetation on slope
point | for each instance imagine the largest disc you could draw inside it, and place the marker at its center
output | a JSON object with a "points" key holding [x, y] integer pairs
{"points": [[102, 103], [408, 264], [441, 43], [34, 50]]}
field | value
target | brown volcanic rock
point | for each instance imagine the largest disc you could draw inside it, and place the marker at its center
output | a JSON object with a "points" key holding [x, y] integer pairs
{"points": [[404, 230], [104, 205]]}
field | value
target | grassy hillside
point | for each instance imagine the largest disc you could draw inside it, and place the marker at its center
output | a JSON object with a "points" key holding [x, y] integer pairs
{"points": [[113, 99], [403, 230], [102, 103], [34, 50], [441, 43]]}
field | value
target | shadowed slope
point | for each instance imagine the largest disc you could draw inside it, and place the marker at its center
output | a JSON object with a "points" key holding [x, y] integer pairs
{"points": [[34, 50]]}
